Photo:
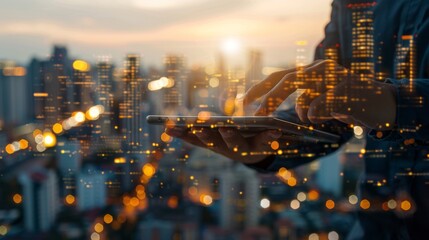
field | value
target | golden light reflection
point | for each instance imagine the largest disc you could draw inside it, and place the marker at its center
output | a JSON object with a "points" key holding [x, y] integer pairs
{"points": [[57, 128], [98, 227], [49, 139], [70, 199], [17, 198], [406, 205], [108, 219], [81, 65], [148, 170], [330, 204], [365, 204]]}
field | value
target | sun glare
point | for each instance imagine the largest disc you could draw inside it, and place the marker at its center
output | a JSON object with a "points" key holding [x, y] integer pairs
{"points": [[231, 46]]}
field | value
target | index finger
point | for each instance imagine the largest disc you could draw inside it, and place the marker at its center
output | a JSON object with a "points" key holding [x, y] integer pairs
{"points": [[260, 89]]}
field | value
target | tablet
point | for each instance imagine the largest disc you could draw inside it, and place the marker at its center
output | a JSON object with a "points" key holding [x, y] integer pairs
{"points": [[248, 125]]}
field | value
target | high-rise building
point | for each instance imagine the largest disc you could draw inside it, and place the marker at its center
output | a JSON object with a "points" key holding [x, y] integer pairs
{"points": [[105, 96], [40, 199], [55, 75], [176, 95], [254, 68], [406, 59], [131, 107], [81, 89], [91, 189], [239, 188], [362, 63], [14, 94]]}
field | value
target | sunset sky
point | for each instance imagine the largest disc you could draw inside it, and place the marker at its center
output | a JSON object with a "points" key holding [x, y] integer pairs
{"points": [[152, 28]]}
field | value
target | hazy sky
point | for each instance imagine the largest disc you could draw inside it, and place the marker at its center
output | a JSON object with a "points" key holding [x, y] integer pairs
{"points": [[152, 28]]}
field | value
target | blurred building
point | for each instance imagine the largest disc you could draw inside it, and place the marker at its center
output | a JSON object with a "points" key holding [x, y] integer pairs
{"points": [[131, 107], [176, 93], [239, 205], [40, 199], [15, 92], [91, 189], [254, 68], [362, 38]]}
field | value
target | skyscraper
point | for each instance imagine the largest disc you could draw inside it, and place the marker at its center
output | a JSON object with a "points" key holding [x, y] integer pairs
{"points": [[105, 96], [14, 94], [91, 190], [362, 63], [40, 199], [176, 95], [254, 68], [131, 106]]}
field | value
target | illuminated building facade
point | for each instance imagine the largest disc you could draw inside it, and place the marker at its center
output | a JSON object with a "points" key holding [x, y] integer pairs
{"points": [[105, 95], [131, 107], [175, 97], [406, 59], [362, 63]]}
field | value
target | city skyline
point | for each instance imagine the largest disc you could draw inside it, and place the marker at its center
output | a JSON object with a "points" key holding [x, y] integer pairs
{"points": [[195, 29]]}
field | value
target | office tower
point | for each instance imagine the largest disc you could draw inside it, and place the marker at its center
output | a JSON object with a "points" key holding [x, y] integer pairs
{"points": [[331, 77], [40, 199], [239, 188], [56, 75], [14, 94], [105, 96], [203, 90], [69, 161], [175, 95], [362, 63], [254, 68], [81, 88], [406, 55], [131, 106], [91, 189]]}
